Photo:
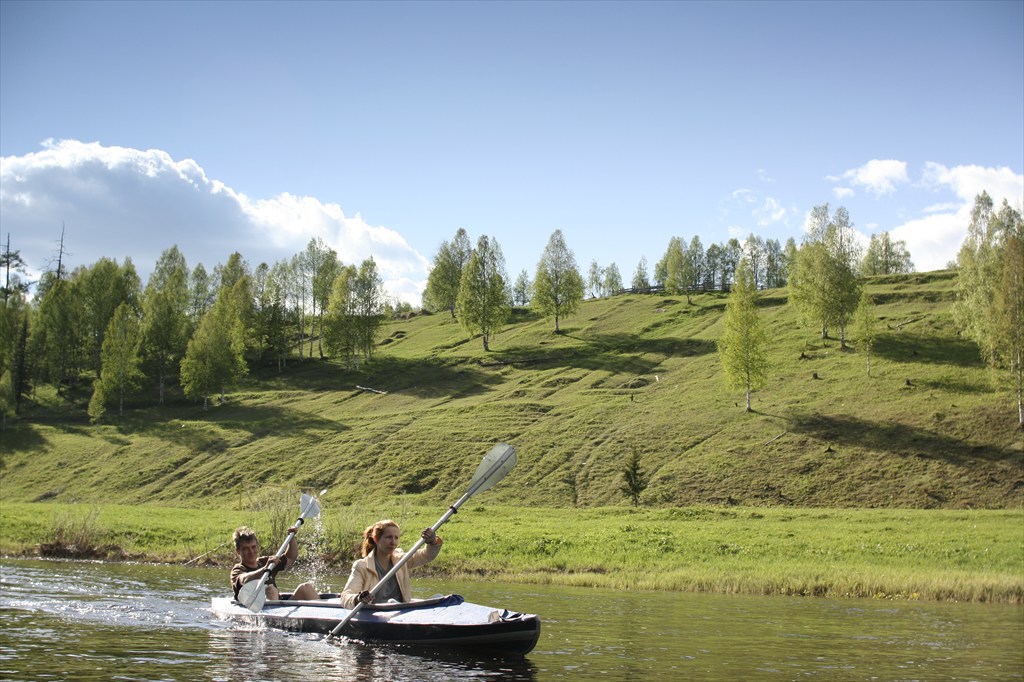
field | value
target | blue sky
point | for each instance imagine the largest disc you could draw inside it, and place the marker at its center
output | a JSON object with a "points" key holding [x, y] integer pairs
{"points": [[384, 127]]}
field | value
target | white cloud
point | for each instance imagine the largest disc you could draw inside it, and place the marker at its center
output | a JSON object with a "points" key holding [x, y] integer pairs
{"points": [[120, 202], [935, 239], [876, 176], [769, 212], [842, 192], [744, 194]]}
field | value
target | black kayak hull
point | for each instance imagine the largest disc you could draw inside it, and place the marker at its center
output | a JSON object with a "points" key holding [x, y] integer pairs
{"points": [[447, 622]]}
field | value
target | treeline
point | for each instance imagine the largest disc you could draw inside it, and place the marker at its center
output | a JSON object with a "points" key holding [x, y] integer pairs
{"points": [[830, 256], [828, 290], [186, 328]]}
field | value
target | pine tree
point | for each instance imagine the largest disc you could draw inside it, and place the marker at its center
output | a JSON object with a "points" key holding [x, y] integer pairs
{"points": [[634, 479]]}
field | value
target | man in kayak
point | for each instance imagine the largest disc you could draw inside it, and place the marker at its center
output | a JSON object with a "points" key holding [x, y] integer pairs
{"points": [[380, 552], [252, 566]]}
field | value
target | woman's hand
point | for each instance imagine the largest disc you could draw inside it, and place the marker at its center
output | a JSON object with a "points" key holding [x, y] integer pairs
{"points": [[365, 597], [430, 537]]}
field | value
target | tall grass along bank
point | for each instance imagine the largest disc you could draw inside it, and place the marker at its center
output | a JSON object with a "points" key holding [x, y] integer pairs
{"points": [[957, 555]]}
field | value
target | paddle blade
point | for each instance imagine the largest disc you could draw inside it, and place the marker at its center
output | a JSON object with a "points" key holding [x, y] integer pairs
{"points": [[252, 595], [309, 506], [496, 463]]}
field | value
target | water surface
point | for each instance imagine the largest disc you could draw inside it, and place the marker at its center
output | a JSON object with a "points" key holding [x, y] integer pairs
{"points": [[94, 621]]}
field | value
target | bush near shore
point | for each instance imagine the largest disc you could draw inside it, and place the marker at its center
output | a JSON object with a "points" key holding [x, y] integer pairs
{"points": [[949, 555]]}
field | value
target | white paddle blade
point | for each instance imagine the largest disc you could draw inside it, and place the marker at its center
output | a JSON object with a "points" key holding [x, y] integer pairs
{"points": [[252, 595], [309, 507], [496, 463]]}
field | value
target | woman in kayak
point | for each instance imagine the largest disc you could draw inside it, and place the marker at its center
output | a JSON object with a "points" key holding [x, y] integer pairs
{"points": [[381, 552]]}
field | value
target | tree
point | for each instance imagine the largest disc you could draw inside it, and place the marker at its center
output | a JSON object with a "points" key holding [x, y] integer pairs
{"points": [[696, 263], [866, 326], [340, 333], [522, 290], [103, 287], [774, 265], [675, 267], [121, 359], [279, 323], [978, 272], [743, 346], [369, 297], [990, 290], [595, 280], [1008, 314], [164, 328], [58, 340], [612, 279], [713, 267], [485, 301], [446, 276], [12, 265], [215, 358], [732, 252], [634, 479], [201, 295], [886, 257], [558, 285], [641, 281], [823, 282], [323, 266], [14, 325], [754, 254]]}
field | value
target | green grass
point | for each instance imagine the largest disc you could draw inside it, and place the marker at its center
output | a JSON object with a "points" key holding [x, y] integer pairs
{"points": [[926, 437], [632, 373], [960, 555]]}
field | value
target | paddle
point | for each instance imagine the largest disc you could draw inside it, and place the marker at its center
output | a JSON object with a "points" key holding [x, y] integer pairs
{"points": [[496, 463], [252, 594]]}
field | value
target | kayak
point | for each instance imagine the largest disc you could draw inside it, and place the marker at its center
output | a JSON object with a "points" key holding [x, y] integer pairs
{"points": [[441, 621]]}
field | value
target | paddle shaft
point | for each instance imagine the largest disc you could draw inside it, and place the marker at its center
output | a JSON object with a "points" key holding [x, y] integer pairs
{"points": [[477, 483]]}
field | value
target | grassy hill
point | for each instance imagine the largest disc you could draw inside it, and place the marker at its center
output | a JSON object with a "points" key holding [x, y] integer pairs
{"points": [[634, 373]]}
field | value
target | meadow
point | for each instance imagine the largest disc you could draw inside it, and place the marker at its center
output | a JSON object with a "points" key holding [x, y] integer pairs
{"points": [[907, 482], [946, 555]]}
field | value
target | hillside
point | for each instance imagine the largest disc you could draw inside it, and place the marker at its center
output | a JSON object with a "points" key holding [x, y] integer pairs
{"points": [[634, 373]]}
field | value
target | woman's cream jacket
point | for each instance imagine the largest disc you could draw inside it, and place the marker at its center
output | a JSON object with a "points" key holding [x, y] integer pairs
{"points": [[364, 574]]}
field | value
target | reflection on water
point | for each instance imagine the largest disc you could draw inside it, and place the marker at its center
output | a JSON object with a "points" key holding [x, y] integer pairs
{"points": [[243, 655], [90, 621]]}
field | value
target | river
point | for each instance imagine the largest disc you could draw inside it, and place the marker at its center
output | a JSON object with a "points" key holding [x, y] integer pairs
{"points": [[62, 620]]}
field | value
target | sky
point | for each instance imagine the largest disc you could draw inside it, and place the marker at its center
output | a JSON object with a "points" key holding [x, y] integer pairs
{"points": [[382, 128]]}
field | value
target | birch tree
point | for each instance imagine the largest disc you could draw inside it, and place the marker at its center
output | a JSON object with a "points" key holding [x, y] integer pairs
{"points": [[866, 327], [485, 300], [445, 276], [558, 285], [743, 346]]}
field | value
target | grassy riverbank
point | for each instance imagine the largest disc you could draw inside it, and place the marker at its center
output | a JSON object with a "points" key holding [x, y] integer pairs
{"points": [[960, 555]]}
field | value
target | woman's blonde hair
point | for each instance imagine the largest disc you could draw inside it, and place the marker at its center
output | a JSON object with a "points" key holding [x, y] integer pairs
{"points": [[373, 533]]}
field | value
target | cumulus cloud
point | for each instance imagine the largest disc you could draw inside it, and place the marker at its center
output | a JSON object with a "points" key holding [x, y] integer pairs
{"points": [[122, 203], [935, 239], [877, 176]]}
